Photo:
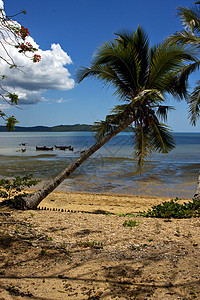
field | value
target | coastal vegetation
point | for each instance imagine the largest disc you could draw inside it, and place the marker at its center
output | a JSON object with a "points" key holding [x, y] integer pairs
{"points": [[13, 191], [173, 209]]}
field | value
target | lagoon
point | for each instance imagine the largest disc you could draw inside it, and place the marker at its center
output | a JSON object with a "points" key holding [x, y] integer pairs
{"points": [[111, 169]]}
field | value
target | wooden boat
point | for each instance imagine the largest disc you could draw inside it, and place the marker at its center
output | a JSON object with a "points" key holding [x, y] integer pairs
{"points": [[44, 148], [62, 147], [22, 150]]}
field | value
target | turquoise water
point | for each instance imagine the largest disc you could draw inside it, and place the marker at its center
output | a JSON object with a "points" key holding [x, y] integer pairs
{"points": [[111, 169]]}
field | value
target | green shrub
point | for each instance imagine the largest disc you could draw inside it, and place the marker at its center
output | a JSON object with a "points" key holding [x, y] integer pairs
{"points": [[130, 223], [12, 191], [172, 209], [126, 215]]}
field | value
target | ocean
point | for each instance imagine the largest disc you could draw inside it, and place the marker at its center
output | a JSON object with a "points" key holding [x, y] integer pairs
{"points": [[111, 169]]}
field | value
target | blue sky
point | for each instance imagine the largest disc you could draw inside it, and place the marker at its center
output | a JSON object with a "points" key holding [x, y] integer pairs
{"points": [[79, 27]]}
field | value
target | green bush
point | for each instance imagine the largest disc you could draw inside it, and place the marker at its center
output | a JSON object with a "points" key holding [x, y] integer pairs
{"points": [[130, 223], [12, 191], [172, 209]]}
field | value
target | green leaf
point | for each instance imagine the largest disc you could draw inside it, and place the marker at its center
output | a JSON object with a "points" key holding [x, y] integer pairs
{"points": [[13, 97]]}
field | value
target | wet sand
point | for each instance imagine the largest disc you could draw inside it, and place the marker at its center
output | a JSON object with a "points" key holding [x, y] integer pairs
{"points": [[114, 203]]}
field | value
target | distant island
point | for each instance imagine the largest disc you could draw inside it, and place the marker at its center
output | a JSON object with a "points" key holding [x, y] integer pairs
{"points": [[58, 128]]}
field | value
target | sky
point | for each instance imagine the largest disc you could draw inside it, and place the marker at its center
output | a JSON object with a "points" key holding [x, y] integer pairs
{"points": [[67, 34]]}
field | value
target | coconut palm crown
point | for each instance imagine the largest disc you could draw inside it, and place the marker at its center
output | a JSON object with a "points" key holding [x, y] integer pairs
{"points": [[141, 76], [190, 36]]}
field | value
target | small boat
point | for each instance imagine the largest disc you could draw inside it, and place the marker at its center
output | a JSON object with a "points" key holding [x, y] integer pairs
{"points": [[70, 148], [62, 147], [44, 148], [22, 150]]}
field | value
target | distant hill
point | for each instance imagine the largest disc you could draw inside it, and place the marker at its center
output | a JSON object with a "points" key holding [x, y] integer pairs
{"points": [[76, 127], [58, 128], [23, 129]]}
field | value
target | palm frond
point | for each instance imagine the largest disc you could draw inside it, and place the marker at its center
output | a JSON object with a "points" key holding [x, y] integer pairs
{"points": [[190, 17], [161, 137], [123, 60], [185, 38], [168, 59], [151, 136], [179, 84], [108, 76], [119, 114], [162, 112], [153, 94], [123, 63], [142, 147], [102, 128], [140, 42], [188, 70], [194, 105]]}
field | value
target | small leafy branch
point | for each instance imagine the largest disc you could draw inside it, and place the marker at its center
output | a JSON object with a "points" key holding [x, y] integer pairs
{"points": [[172, 209], [93, 244], [14, 35], [10, 121], [130, 223], [12, 191]]}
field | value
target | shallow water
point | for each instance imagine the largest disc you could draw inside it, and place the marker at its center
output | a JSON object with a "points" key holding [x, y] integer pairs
{"points": [[111, 169]]}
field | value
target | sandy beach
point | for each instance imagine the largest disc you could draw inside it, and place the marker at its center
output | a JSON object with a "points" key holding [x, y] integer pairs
{"points": [[89, 254], [91, 202]]}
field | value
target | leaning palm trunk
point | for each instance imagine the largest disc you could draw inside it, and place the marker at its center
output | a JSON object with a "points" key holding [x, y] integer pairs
{"points": [[32, 200], [140, 76]]}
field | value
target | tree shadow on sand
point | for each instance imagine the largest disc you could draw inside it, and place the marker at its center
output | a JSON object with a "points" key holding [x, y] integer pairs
{"points": [[89, 272]]}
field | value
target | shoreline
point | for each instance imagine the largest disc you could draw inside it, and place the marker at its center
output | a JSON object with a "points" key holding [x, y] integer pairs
{"points": [[105, 202]]}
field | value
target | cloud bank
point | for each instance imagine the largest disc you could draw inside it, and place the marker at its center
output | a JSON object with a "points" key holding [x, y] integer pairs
{"points": [[33, 79]]}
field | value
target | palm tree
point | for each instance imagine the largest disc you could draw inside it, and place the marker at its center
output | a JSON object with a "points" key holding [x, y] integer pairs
{"points": [[141, 76], [190, 36]]}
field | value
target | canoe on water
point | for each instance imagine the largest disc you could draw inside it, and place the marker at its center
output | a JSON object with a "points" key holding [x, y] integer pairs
{"points": [[44, 148]]}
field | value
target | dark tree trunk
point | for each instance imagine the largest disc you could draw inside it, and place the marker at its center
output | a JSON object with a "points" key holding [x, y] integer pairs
{"points": [[197, 192], [32, 200]]}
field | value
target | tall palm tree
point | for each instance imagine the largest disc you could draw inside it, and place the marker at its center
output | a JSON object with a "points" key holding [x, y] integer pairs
{"points": [[190, 36], [141, 76]]}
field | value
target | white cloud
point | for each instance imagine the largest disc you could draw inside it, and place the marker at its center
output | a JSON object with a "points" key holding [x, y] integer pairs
{"points": [[61, 100], [4, 106], [1, 4], [34, 78], [49, 73]]}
